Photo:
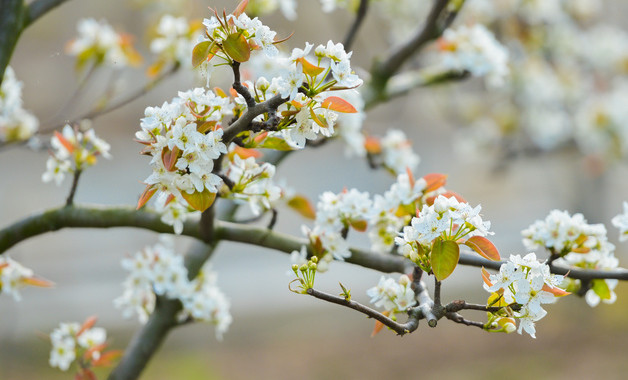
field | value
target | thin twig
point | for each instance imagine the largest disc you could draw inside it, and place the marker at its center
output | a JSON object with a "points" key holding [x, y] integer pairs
{"points": [[70, 200], [99, 111], [399, 328], [357, 22], [460, 319], [38, 8], [458, 305]]}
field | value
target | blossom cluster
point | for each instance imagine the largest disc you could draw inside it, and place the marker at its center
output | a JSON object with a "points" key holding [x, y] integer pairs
{"points": [[158, 271], [448, 219], [567, 67], [14, 276], [621, 222], [393, 296], [84, 343], [252, 183], [239, 30], [335, 214], [576, 244], [184, 137], [72, 151], [99, 44], [474, 49], [393, 210], [397, 153], [526, 282], [16, 124], [174, 40]]}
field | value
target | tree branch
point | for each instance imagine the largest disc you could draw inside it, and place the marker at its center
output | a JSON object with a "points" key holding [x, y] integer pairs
{"points": [[240, 89], [243, 123], [99, 111], [38, 8], [109, 217], [357, 22], [12, 21], [399, 328], [150, 336]]}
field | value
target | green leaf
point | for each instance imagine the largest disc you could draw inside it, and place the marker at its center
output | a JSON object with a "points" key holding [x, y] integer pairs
{"points": [[201, 52], [275, 143], [236, 47], [601, 289], [444, 258], [483, 247], [199, 201]]}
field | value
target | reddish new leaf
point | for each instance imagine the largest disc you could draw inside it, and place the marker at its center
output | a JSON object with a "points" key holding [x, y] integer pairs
{"points": [[558, 292], [379, 325], [240, 8], [146, 196], [66, 144], [170, 157], [434, 181], [337, 104], [486, 277], [483, 247]]}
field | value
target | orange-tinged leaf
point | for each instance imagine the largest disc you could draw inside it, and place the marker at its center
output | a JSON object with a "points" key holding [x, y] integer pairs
{"points": [[155, 69], [240, 8], [337, 104], [169, 158], [446, 194], [236, 47], [309, 68], [483, 247], [486, 277], [170, 198], [4, 265], [95, 348], [39, 282], [444, 258], [146, 196], [106, 358], [379, 325], [220, 92], [317, 247], [303, 206], [410, 177], [66, 144], [199, 201], [434, 181], [558, 292], [202, 52], [260, 137], [88, 324], [244, 153], [581, 250], [359, 225], [372, 145]]}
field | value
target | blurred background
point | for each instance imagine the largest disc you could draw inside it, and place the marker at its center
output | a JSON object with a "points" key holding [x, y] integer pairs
{"points": [[276, 333]]}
